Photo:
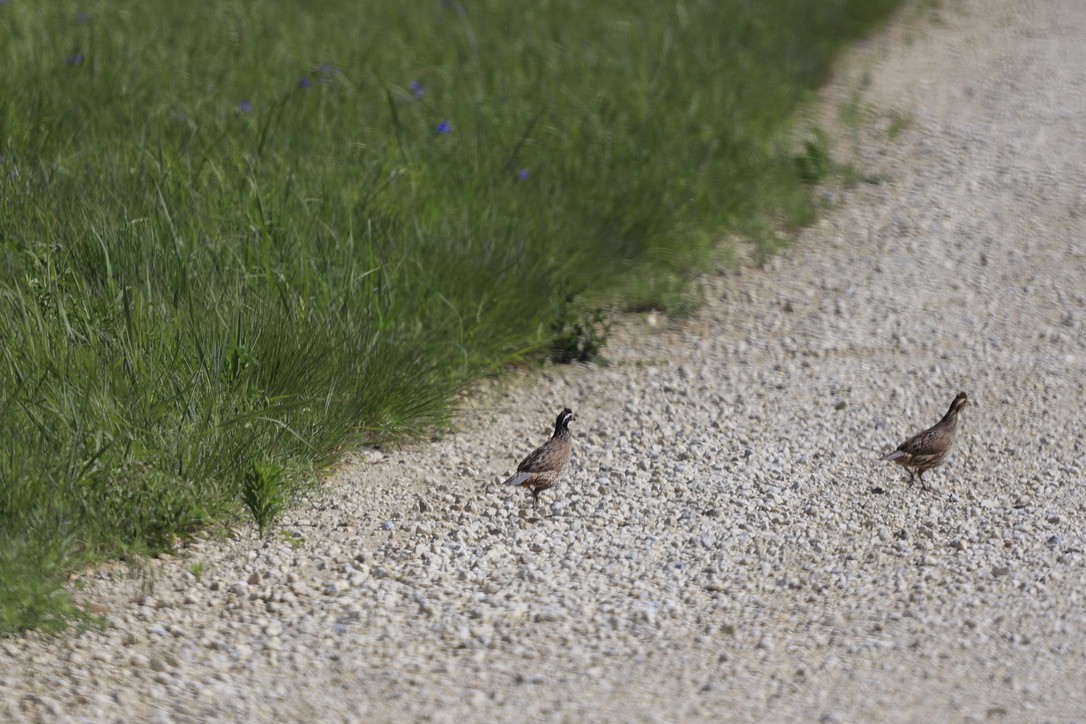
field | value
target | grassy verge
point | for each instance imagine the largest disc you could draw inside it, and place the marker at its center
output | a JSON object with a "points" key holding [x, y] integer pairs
{"points": [[237, 237]]}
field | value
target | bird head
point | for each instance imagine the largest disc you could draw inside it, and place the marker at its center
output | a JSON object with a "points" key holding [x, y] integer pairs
{"points": [[561, 424]]}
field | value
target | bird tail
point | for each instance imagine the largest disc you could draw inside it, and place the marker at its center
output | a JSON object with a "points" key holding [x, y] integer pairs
{"points": [[516, 479], [893, 456]]}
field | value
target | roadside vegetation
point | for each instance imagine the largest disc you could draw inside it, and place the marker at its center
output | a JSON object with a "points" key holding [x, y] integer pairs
{"points": [[237, 238]]}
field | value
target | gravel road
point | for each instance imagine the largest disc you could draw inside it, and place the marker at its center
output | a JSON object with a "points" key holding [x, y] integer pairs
{"points": [[724, 544]]}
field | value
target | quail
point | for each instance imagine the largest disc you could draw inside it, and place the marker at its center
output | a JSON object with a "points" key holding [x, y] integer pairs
{"points": [[543, 466], [930, 448]]}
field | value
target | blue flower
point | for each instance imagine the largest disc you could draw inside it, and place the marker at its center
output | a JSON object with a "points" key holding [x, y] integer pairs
{"points": [[444, 127], [245, 106], [416, 89], [305, 82], [82, 18], [522, 174], [76, 59]]}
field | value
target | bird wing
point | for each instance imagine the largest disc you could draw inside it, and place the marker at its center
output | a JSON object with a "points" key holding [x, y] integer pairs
{"points": [[926, 443], [543, 459], [896, 454], [517, 478], [548, 460]]}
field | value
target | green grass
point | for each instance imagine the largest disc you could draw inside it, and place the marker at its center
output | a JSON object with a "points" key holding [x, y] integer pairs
{"points": [[233, 240]]}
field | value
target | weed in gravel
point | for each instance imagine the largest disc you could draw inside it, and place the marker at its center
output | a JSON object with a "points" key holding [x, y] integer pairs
{"points": [[198, 569], [578, 334], [264, 493]]}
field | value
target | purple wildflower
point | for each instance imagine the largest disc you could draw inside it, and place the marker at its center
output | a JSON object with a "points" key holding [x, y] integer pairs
{"points": [[245, 106], [444, 127], [416, 89], [82, 18], [522, 174], [305, 82], [76, 59]]}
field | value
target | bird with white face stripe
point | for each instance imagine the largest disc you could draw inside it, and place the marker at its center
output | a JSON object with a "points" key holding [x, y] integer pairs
{"points": [[544, 465]]}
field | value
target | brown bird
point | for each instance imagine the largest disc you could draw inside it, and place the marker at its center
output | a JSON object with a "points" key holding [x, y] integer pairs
{"points": [[930, 448], [542, 468]]}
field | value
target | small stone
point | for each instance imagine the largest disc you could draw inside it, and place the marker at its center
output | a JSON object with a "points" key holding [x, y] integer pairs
{"points": [[51, 705], [1000, 570], [333, 588]]}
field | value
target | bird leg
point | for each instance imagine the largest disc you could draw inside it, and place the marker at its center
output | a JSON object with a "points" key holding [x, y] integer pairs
{"points": [[535, 499], [925, 488]]}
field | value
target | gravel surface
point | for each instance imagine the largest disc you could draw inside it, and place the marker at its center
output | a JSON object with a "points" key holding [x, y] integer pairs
{"points": [[724, 544]]}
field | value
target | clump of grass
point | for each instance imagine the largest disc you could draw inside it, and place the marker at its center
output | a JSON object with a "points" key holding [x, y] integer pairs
{"points": [[264, 494], [898, 123], [814, 164], [261, 231], [292, 538], [30, 595], [579, 333]]}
